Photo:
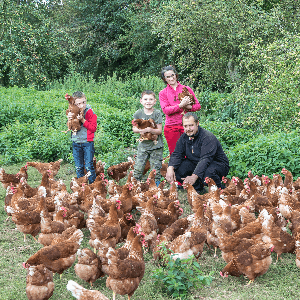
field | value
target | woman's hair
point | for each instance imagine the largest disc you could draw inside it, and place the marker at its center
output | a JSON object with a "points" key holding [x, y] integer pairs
{"points": [[165, 69]]}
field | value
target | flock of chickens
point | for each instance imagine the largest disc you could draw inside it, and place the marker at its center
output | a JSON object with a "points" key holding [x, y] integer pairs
{"points": [[247, 220]]}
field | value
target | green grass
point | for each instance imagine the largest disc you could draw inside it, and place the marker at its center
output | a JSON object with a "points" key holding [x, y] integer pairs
{"points": [[282, 280]]}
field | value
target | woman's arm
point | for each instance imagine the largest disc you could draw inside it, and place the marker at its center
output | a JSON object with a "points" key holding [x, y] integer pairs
{"points": [[166, 107]]}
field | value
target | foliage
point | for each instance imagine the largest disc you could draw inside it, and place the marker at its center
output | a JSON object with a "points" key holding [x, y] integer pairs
{"points": [[204, 37], [266, 154], [21, 142], [30, 47], [271, 88], [228, 133], [179, 275]]}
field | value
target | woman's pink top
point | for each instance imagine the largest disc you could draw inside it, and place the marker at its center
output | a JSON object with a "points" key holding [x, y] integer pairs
{"points": [[169, 103]]}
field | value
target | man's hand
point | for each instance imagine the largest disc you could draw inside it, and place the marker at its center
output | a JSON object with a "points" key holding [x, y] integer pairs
{"points": [[170, 175], [190, 179]]}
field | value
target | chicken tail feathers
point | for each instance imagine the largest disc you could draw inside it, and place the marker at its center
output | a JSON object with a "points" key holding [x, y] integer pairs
{"points": [[74, 288]]}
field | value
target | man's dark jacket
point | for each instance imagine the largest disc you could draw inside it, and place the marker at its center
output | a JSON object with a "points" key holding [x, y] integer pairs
{"points": [[202, 150]]}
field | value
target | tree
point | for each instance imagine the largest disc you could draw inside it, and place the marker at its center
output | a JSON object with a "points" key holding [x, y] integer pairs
{"points": [[30, 47]]}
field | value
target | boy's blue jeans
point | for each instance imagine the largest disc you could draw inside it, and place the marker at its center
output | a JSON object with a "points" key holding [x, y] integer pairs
{"points": [[83, 154]]}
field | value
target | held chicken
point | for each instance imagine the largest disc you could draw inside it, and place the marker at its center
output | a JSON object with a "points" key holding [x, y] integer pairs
{"points": [[74, 124], [143, 124], [185, 93]]}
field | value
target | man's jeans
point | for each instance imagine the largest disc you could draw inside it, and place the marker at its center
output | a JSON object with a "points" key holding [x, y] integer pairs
{"points": [[83, 154]]}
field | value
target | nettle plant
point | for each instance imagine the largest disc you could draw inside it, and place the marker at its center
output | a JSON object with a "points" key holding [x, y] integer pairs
{"points": [[178, 276]]}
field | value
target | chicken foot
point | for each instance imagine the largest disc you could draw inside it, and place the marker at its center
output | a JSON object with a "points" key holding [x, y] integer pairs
{"points": [[251, 281]]}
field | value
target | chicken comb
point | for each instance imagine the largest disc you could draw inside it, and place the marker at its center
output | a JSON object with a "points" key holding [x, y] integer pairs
{"points": [[144, 243], [129, 217]]}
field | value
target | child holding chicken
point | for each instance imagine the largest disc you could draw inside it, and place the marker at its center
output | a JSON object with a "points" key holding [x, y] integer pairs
{"points": [[148, 149], [83, 140]]}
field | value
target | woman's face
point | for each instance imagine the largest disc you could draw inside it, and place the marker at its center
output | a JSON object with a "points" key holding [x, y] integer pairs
{"points": [[170, 77]]}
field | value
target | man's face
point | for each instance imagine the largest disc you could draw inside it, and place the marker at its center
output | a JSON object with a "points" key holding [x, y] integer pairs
{"points": [[190, 127]]}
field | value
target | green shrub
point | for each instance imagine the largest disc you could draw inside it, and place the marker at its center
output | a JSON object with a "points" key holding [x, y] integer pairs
{"points": [[178, 276], [20, 142], [228, 133], [27, 105], [271, 87], [266, 154]]}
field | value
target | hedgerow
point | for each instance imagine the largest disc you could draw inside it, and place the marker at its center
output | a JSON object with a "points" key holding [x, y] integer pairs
{"points": [[32, 123], [266, 154]]}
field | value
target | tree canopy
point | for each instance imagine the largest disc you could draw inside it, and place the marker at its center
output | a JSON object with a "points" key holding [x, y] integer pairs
{"points": [[207, 41]]}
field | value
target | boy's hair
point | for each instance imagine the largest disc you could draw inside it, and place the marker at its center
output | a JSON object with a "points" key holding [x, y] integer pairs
{"points": [[191, 114], [147, 92], [165, 69], [78, 94]]}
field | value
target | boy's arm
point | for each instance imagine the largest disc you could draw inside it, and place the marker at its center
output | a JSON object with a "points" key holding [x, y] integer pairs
{"points": [[136, 130], [157, 130], [90, 122]]}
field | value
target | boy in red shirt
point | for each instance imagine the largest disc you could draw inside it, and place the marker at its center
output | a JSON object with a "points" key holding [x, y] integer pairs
{"points": [[83, 140]]}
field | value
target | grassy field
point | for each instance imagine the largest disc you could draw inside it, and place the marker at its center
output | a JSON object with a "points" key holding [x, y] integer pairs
{"points": [[282, 281]]}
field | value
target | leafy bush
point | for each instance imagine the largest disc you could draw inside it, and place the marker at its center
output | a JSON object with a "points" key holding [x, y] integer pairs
{"points": [[180, 275], [266, 154], [20, 142], [31, 52], [27, 105], [271, 87], [228, 133]]}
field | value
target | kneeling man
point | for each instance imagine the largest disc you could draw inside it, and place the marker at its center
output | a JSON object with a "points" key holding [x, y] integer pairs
{"points": [[198, 154]]}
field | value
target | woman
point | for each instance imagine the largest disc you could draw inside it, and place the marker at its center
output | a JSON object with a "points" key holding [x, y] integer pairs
{"points": [[172, 107]]}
